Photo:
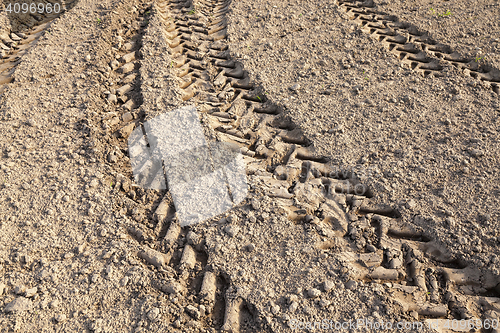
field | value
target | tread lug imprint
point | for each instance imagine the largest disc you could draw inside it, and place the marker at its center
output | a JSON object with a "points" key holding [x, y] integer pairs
{"points": [[415, 48], [13, 47]]}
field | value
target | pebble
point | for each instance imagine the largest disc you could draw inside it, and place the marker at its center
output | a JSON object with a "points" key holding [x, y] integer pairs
{"points": [[477, 153], [2, 288], [174, 288], [18, 290], [275, 309], [94, 182], [328, 285], [126, 130], [112, 157], [114, 64], [153, 314], [255, 204], [371, 248], [337, 129], [124, 281], [127, 116], [313, 292], [18, 305], [112, 98], [31, 292], [295, 87], [250, 247], [60, 318], [193, 312], [193, 238], [232, 230], [395, 263], [351, 285], [324, 303], [97, 325]]}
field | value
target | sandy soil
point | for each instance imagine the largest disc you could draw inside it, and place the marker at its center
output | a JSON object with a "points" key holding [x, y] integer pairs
{"points": [[85, 249]]}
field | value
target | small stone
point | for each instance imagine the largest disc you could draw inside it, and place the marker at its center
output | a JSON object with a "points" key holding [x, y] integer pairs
{"points": [[232, 218], [328, 285], [15, 37], [337, 129], [250, 247], [93, 183], [174, 288], [18, 305], [414, 314], [112, 98], [231, 230], [127, 116], [293, 307], [476, 153], [124, 281], [80, 248], [411, 204], [313, 292], [18, 290], [114, 64], [60, 318], [255, 204], [126, 130], [2, 288], [351, 285], [177, 324], [193, 312], [395, 263], [96, 326], [275, 309], [324, 303], [112, 157], [153, 314], [295, 87], [292, 298], [31, 292], [193, 238], [371, 248], [87, 57]]}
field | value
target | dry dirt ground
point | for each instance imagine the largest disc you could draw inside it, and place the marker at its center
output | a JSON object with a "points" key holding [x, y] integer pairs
{"points": [[373, 167]]}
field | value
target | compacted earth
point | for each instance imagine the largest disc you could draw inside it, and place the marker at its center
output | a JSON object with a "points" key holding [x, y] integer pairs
{"points": [[370, 135]]}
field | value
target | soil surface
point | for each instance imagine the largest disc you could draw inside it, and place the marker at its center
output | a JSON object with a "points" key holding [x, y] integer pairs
{"points": [[372, 165]]}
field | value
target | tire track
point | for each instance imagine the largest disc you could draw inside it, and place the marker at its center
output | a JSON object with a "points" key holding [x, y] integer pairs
{"points": [[177, 252], [414, 47], [278, 155], [15, 45], [373, 241]]}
